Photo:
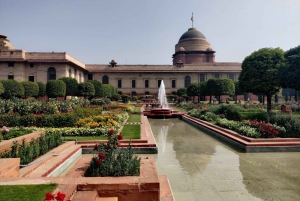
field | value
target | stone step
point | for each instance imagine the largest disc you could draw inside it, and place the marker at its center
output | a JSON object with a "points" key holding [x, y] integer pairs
{"points": [[53, 161], [165, 189], [106, 199], [85, 195]]}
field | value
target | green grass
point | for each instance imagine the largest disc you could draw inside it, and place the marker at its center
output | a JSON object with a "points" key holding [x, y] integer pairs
{"points": [[134, 118], [131, 131], [26, 192], [137, 109]]}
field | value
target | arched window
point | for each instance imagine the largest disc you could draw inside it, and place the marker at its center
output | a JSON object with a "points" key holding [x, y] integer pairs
{"points": [[187, 81], [105, 79], [51, 73]]}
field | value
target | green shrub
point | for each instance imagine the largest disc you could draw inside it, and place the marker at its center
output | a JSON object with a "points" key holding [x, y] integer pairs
{"points": [[86, 89], [71, 85], [12, 88], [98, 87], [290, 123], [31, 89], [249, 131], [1, 88], [55, 88], [42, 89]]}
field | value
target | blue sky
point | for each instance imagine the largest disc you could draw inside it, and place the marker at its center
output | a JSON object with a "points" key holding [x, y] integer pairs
{"points": [[145, 32]]}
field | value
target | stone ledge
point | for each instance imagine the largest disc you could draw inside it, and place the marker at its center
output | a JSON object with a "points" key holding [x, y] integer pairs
{"points": [[245, 143]]}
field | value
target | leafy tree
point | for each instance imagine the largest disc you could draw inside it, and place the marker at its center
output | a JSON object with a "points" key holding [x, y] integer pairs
{"points": [[193, 90], [86, 89], [218, 87], [71, 85], [237, 90], [260, 73], [182, 92], [31, 89], [42, 89], [108, 90], [203, 89], [290, 71], [98, 87], [55, 88], [12, 88], [1, 88]]}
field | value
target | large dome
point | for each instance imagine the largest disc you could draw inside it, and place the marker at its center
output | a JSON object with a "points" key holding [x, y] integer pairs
{"points": [[192, 33]]}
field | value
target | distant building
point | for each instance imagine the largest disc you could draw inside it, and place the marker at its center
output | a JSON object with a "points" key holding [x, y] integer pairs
{"points": [[193, 62]]}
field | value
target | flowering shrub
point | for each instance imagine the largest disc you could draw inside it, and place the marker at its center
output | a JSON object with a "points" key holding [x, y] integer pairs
{"points": [[4, 130], [110, 161], [266, 130], [58, 197]]}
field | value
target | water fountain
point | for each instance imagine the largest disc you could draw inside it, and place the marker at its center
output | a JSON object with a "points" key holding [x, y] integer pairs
{"points": [[163, 110]]}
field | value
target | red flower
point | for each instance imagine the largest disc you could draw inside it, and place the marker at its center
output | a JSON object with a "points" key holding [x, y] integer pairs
{"points": [[111, 131], [49, 197], [120, 137], [60, 196], [99, 162], [102, 156]]}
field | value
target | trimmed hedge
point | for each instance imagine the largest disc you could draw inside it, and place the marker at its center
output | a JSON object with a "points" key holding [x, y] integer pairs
{"points": [[86, 89], [31, 89], [71, 85], [12, 88], [1, 88], [42, 89], [98, 87], [55, 88]]}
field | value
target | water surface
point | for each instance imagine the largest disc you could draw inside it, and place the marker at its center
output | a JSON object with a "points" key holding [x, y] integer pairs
{"points": [[200, 167]]}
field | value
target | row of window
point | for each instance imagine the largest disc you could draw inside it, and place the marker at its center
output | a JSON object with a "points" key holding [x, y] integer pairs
{"points": [[146, 83], [30, 78], [12, 64]]}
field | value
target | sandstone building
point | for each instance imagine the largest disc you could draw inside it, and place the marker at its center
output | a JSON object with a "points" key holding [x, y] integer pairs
{"points": [[193, 62]]}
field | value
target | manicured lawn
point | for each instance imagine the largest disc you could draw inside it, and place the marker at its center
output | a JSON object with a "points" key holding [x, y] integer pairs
{"points": [[137, 109], [26, 192], [134, 118], [131, 131]]}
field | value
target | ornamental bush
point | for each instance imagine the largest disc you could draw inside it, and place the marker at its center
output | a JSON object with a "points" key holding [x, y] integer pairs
{"points": [[71, 85], [12, 88], [86, 89], [55, 88], [1, 88], [31, 89], [42, 89], [98, 87]]}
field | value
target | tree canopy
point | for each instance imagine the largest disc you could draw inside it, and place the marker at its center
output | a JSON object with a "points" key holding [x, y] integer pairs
{"points": [[290, 71], [219, 86], [98, 87], [86, 89], [12, 88], [260, 73]]}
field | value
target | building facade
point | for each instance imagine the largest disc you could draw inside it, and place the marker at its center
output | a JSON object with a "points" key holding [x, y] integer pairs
{"points": [[193, 62]]}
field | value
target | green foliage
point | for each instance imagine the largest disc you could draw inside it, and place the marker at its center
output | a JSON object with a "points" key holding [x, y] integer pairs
{"points": [[42, 89], [218, 87], [290, 123], [71, 85], [181, 92], [132, 131], [98, 87], [2, 89], [193, 90], [55, 88], [16, 132], [111, 161], [12, 88], [108, 90], [27, 152], [86, 89], [289, 71], [125, 98], [231, 112], [260, 73], [31, 89]]}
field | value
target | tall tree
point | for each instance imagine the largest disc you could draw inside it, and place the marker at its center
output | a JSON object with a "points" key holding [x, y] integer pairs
{"points": [[71, 85], [192, 90], [260, 73], [218, 87], [290, 70], [182, 92]]}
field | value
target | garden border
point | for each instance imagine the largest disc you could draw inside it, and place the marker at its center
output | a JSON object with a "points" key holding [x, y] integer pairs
{"points": [[244, 143]]}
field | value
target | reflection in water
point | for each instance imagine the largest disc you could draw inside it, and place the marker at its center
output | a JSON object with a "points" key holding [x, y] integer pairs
{"points": [[162, 137], [200, 167]]}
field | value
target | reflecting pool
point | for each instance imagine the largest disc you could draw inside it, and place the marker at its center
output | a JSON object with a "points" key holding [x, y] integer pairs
{"points": [[200, 167]]}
